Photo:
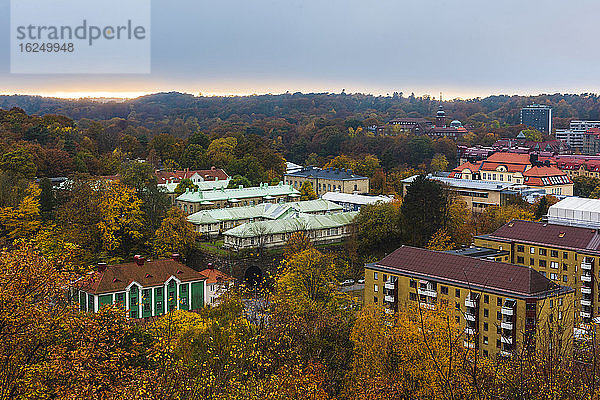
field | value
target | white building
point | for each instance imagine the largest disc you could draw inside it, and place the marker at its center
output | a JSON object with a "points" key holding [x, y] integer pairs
{"points": [[217, 283], [575, 211], [575, 135], [353, 202]]}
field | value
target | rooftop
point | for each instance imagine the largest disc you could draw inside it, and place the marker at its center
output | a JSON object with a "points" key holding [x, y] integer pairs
{"points": [[329, 173], [176, 176], [466, 183], [235, 194], [354, 198], [214, 276], [568, 237], [305, 222], [469, 272]]}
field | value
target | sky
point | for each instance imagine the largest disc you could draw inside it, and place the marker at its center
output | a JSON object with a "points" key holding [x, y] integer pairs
{"points": [[463, 48]]}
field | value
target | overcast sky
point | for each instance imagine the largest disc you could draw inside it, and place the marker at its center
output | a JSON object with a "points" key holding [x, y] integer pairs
{"points": [[463, 48]]}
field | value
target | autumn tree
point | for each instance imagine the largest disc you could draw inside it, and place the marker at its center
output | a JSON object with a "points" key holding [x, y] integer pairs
{"points": [[24, 220], [121, 222], [439, 163], [441, 241], [379, 228], [185, 185], [175, 235], [307, 192], [583, 186], [493, 217], [425, 209]]}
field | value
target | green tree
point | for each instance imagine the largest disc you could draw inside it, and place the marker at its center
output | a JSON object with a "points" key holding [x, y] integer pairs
{"points": [[541, 206], [200, 139], [439, 163], [47, 198], [19, 163], [238, 180], [379, 229], [194, 157], [222, 151], [307, 192], [583, 186], [185, 184], [533, 134], [424, 209]]}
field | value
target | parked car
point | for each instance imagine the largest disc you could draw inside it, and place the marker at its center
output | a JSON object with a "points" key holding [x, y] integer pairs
{"points": [[361, 281], [347, 282]]}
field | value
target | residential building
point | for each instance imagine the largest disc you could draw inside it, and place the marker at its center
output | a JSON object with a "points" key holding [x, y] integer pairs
{"points": [[538, 117], [582, 136], [213, 222], [328, 180], [575, 211], [567, 255], [146, 288], [201, 175], [196, 200], [353, 202], [503, 308], [483, 253], [578, 165], [321, 229], [522, 169], [217, 283]]}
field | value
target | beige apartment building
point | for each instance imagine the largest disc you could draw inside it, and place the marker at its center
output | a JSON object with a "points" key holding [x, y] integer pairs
{"points": [[328, 180]]}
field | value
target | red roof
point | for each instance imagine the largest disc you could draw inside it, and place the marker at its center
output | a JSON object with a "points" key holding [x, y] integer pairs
{"points": [[545, 176], [176, 176], [469, 272], [214, 276], [514, 162], [116, 278], [571, 237]]}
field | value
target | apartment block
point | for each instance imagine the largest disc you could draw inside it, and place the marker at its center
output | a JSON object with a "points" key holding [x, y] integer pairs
{"points": [[567, 255], [502, 308]]}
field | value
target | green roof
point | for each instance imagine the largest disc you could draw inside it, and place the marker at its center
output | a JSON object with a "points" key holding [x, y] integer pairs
{"points": [[241, 193], [205, 185], [265, 210], [303, 222]]}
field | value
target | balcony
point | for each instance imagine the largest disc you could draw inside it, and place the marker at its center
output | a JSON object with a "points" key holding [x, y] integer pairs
{"points": [[470, 331], [470, 303], [586, 278], [390, 285], [586, 302], [585, 314], [586, 290], [427, 292], [506, 325], [505, 353], [506, 339], [469, 345], [428, 306], [586, 266], [470, 317], [389, 311], [507, 311], [389, 299]]}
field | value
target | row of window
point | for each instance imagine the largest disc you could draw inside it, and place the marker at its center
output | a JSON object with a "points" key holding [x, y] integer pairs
{"points": [[544, 252]]}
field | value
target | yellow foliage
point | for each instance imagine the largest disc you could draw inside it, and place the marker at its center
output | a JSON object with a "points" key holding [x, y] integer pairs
{"points": [[22, 221], [122, 218]]}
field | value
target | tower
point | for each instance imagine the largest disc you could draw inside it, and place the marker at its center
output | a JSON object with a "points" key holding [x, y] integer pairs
{"points": [[440, 117]]}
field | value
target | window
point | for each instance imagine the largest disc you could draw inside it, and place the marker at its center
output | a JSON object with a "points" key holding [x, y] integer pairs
{"points": [[456, 292], [375, 299], [565, 278], [457, 305], [532, 250], [486, 326], [498, 343], [375, 275], [542, 263], [485, 340], [565, 267], [486, 299], [413, 283], [565, 255], [412, 296], [486, 313], [485, 353], [554, 253], [553, 276], [530, 306], [498, 315], [542, 252], [554, 264], [498, 330], [520, 248], [375, 288], [531, 261], [444, 289], [520, 260], [146, 307], [499, 301], [385, 277]]}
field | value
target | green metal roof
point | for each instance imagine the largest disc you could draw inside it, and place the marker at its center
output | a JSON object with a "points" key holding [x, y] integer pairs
{"points": [[241, 193], [307, 222], [265, 210]]}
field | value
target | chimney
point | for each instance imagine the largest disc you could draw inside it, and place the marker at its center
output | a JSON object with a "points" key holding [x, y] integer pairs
{"points": [[101, 267], [212, 168], [210, 266], [139, 260], [176, 257]]}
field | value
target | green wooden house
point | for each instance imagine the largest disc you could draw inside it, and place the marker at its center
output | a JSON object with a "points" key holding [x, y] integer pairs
{"points": [[145, 288]]}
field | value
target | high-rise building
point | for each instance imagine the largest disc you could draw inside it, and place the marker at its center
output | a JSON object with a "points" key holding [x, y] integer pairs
{"points": [[538, 117], [582, 136]]}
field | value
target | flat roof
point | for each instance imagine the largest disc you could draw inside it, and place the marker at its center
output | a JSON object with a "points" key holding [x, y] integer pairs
{"points": [[465, 183]]}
